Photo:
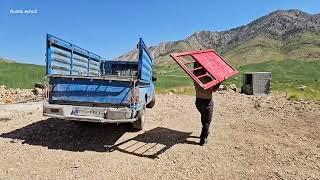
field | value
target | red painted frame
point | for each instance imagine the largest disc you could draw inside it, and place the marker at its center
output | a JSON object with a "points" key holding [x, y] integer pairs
{"points": [[211, 61]]}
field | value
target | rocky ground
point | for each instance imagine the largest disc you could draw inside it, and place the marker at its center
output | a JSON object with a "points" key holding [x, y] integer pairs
{"points": [[251, 138], [9, 95]]}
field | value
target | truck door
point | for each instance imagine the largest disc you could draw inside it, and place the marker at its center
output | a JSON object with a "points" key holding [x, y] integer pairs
{"points": [[145, 62]]}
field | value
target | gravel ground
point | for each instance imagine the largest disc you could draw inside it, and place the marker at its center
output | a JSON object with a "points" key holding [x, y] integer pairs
{"points": [[251, 138], [10, 96]]}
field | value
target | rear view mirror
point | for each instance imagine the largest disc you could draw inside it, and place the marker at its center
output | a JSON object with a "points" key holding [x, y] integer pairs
{"points": [[154, 78]]}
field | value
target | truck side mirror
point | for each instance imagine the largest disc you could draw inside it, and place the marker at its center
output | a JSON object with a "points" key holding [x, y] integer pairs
{"points": [[154, 78]]}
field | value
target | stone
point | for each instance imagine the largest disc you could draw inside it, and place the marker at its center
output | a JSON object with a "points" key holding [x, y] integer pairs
{"points": [[173, 90], [233, 87], [302, 87], [5, 116], [222, 87]]}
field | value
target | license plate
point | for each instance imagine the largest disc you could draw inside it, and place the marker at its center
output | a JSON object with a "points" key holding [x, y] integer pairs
{"points": [[88, 112]]}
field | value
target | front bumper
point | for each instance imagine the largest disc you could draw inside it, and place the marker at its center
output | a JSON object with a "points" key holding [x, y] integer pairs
{"points": [[110, 115]]}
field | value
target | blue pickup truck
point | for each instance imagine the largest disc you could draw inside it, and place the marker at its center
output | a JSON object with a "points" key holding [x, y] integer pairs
{"points": [[85, 87]]}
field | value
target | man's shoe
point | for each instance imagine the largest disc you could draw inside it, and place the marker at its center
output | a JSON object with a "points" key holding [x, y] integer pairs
{"points": [[203, 141]]}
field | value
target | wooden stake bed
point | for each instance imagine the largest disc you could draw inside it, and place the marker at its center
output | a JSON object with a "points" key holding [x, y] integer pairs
{"points": [[211, 68]]}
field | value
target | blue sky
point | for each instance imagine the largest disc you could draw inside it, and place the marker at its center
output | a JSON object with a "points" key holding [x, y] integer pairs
{"points": [[111, 28]]}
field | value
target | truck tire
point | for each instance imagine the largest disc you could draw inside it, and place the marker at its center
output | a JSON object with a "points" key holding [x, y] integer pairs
{"points": [[152, 102], [139, 123]]}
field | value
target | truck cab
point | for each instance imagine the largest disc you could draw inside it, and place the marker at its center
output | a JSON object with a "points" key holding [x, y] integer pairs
{"points": [[85, 87]]}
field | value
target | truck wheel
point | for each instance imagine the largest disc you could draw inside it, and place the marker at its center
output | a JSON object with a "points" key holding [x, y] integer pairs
{"points": [[139, 123], [152, 102]]}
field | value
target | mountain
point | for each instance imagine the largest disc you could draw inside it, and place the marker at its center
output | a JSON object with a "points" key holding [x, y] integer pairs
{"points": [[6, 60], [282, 34]]}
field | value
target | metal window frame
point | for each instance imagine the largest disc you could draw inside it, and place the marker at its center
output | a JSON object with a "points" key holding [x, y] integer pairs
{"points": [[177, 57]]}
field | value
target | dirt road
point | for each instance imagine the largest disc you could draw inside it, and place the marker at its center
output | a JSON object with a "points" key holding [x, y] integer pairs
{"points": [[251, 138]]}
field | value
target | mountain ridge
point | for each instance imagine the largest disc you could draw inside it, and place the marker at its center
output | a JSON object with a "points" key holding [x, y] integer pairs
{"points": [[280, 27], [7, 60]]}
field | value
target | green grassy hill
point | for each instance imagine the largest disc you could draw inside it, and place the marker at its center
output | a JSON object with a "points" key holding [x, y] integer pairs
{"points": [[287, 75], [304, 46], [17, 75], [293, 61], [6, 60], [263, 48]]}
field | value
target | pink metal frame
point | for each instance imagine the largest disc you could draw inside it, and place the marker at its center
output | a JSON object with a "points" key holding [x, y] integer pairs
{"points": [[209, 60]]}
